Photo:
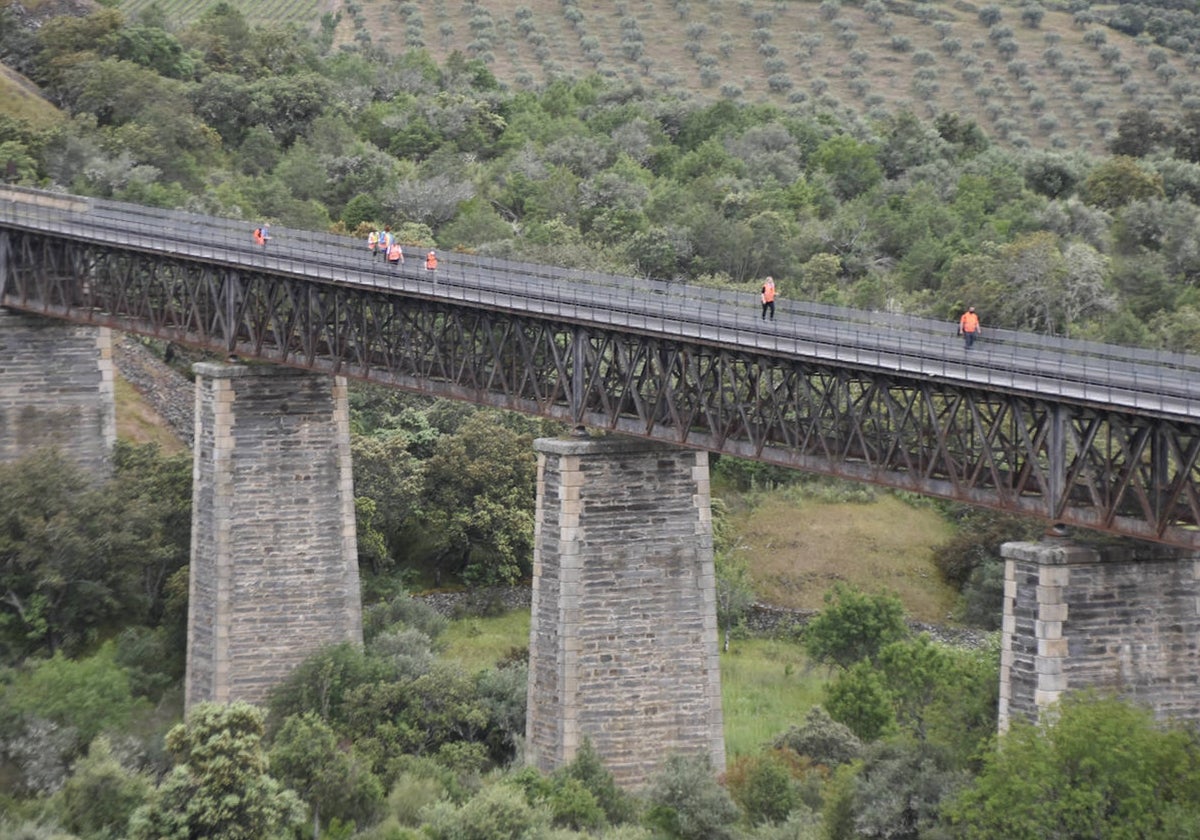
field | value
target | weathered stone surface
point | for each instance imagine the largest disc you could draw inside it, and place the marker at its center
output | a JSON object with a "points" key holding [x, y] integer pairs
{"points": [[56, 389], [1124, 621], [274, 570], [623, 638]]}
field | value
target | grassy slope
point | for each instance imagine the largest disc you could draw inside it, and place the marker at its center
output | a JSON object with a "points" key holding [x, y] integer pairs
{"points": [[139, 423], [798, 548], [19, 98]]}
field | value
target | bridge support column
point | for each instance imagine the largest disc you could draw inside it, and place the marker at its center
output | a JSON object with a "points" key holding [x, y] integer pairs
{"points": [[274, 568], [623, 638], [1124, 621], [56, 389]]}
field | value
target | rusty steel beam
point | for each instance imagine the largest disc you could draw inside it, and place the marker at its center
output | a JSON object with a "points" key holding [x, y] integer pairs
{"points": [[1117, 471]]}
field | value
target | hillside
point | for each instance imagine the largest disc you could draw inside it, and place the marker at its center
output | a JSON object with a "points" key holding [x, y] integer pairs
{"points": [[21, 99], [1051, 78]]}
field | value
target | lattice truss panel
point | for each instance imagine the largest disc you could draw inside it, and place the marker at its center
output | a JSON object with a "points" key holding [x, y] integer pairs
{"points": [[1124, 473]]}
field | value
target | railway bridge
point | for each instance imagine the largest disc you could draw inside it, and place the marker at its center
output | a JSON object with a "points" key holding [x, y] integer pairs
{"points": [[651, 377]]}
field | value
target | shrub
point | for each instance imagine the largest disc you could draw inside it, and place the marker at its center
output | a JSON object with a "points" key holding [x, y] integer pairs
{"points": [[762, 785], [854, 626], [498, 812], [821, 739], [687, 803]]}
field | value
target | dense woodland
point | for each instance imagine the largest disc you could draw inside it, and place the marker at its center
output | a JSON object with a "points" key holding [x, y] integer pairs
{"points": [[908, 212]]}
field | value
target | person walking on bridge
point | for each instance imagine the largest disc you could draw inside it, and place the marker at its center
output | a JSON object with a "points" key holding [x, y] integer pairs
{"points": [[768, 298], [968, 327], [431, 261]]}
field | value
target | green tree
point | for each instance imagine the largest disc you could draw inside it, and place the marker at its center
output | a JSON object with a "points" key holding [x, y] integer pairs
{"points": [[763, 787], [418, 716], [220, 786], [388, 475], [821, 739], [901, 789], [1118, 181], [479, 491], [100, 795], [323, 682], [307, 758], [858, 698], [850, 163], [78, 559], [1094, 767], [735, 591], [90, 695], [854, 626]]}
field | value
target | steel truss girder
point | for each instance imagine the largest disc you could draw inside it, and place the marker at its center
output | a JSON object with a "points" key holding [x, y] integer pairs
{"points": [[1119, 472]]}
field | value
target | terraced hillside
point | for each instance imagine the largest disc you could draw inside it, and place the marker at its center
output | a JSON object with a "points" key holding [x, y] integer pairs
{"points": [[1029, 75]]}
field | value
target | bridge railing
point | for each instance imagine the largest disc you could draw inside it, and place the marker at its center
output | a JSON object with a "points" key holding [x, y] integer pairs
{"points": [[1150, 379]]}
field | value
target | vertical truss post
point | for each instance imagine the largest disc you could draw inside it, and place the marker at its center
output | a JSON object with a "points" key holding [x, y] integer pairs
{"points": [[578, 376], [1056, 467]]}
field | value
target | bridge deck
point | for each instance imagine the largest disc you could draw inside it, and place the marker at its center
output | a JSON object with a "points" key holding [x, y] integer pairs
{"points": [[1097, 435]]}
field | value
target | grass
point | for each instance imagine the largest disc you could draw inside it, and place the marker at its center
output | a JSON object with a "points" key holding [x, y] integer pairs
{"points": [[139, 423], [20, 100], [766, 687], [798, 546], [479, 643]]}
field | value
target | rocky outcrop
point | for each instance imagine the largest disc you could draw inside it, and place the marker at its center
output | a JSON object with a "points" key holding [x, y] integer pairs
{"points": [[169, 392]]}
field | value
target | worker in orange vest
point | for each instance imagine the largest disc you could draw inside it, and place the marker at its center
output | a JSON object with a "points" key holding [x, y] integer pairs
{"points": [[395, 254], [259, 237], [431, 261], [768, 298], [968, 326]]}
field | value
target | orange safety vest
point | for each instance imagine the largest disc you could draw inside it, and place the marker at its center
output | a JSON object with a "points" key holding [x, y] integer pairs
{"points": [[969, 322], [431, 261], [395, 253], [768, 293], [258, 237], [372, 239]]}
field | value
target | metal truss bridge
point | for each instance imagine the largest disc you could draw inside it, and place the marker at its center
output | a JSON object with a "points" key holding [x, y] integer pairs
{"points": [[1078, 433]]}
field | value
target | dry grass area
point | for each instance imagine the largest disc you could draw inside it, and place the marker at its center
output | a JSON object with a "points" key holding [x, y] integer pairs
{"points": [[20, 99], [139, 423], [798, 549]]}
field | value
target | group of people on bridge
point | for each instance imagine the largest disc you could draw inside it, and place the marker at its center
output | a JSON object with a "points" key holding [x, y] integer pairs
{"points": [[384, 242], [379, 242]]}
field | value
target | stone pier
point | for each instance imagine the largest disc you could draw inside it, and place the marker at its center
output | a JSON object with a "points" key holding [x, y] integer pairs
{"points": [[1123, 621], [56, 390], [623, 638], [274, 568]]}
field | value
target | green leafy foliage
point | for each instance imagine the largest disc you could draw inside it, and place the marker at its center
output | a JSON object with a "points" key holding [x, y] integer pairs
{"points": [[684, 801], [854, 626], [79, 560], [480, 486], [499, 812], [90, 695], [101, 794], [220, 786], [1097, 767], [307, 758]]}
